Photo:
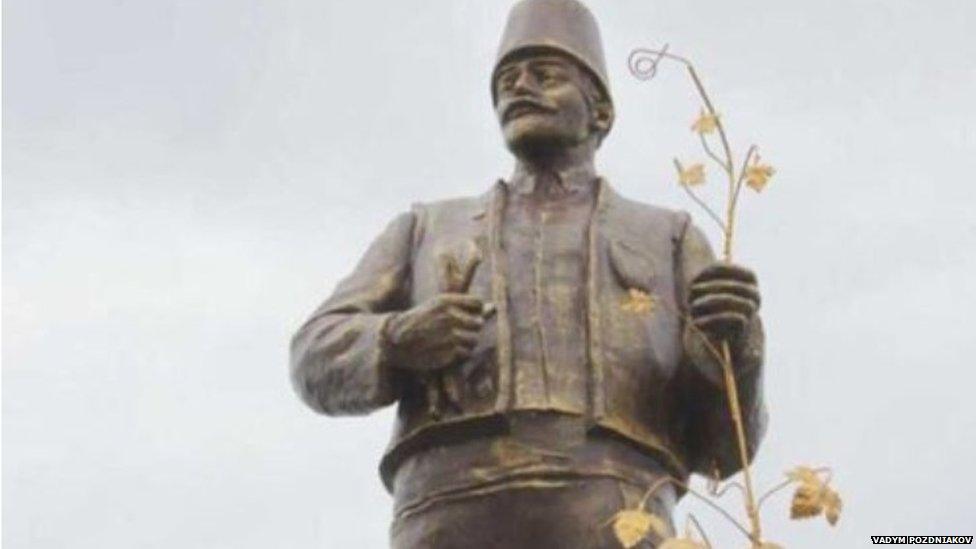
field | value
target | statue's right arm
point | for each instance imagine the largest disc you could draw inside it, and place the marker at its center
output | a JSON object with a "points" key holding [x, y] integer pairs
{"points": [[340, 359]]}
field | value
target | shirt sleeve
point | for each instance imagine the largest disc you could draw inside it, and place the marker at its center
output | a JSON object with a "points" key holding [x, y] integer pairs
{"points": [[339, 357], [709, 437]]}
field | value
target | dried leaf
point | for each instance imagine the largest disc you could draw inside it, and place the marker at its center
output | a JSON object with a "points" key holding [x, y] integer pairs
{"points": [[638, 302], [832, 505], [807, 501], [681, 543], [705, 123], [692, 175], [758, 175], [633, 525], [813, 496]]}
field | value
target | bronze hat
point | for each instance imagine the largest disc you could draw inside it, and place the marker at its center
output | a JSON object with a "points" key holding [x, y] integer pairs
{"points": [[563, 25]]}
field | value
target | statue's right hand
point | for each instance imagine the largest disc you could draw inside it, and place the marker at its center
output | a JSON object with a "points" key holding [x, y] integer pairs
{"points": [[436, 334]]}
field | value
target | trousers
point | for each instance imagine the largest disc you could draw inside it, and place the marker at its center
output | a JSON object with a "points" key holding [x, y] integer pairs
{"points": [[569, 514]]}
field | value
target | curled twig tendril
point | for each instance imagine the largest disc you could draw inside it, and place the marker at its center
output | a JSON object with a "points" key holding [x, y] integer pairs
{"points": [[643, 62]]}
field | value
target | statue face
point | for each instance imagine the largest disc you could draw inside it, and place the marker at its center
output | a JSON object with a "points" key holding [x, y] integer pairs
{"points": [[541, 103]]}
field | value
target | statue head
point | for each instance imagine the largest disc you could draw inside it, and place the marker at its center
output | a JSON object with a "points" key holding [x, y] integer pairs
{"points": [[549, 84]]}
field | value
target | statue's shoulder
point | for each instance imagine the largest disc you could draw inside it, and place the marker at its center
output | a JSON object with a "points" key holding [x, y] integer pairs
{"points": [[452, 211], [643, 218], [452, 206]]}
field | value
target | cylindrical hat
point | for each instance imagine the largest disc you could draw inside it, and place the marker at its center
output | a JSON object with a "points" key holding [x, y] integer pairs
{"points": [[563, 25]]}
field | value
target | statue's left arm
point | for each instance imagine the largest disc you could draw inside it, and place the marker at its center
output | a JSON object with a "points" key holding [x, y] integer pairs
{"points": [[720, 303]]}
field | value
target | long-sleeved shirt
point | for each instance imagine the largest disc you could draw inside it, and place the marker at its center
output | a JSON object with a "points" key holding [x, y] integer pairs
{"points": [[544, 234]]}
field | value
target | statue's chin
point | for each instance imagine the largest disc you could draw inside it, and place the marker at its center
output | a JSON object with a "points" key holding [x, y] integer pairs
{"points": [[535, 141]]}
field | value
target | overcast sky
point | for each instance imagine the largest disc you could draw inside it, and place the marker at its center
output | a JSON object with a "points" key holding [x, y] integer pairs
{"points": [[184, 181]]}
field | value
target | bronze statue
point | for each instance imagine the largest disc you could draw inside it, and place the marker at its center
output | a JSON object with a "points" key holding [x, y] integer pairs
{"points": [[538, 391]]}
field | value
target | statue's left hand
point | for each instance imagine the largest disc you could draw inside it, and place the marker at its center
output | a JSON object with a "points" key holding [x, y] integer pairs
{"points": [[722, 301]]}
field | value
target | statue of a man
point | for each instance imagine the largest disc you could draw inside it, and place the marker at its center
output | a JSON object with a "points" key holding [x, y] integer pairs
{"points": [[537, 339]]}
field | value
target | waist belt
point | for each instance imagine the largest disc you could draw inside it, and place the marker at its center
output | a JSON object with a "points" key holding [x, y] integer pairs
{"points": [[534, 449]]}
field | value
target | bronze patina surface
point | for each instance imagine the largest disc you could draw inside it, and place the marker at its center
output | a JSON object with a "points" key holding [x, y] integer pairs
{"points": [[530, 336]]}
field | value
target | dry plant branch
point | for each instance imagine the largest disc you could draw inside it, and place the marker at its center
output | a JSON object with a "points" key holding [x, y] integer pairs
{"points": [[734, 184], [708, 150], [716, 492], [814, 495]]}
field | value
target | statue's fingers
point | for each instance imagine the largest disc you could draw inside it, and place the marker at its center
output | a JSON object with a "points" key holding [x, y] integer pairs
{"points": [[741, 289], [718, 303], [721, 323], [464, 302], [730, 271], [464, 339], [461, 318]]}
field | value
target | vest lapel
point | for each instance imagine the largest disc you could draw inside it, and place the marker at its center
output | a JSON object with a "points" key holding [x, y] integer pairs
{"points": [[597, 394], [499, 295]]}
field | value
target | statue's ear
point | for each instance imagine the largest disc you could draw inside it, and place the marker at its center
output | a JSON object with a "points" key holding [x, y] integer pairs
{"points": [[602, 116]]}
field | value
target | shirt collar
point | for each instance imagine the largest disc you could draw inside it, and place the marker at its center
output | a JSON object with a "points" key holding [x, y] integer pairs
{"points": [[553, 183]]}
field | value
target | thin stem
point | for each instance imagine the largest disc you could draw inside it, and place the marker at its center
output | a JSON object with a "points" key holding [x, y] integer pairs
{"points": [[653, 488], [666, 480], [716, 507], [716, 493], [775, 489], [734, 201], [687, 188], [701, 531], [828, 470], [711, 110], [711, 153], [709, 346], [772, 491], [727, 149], [753, 149], [724, 357], [740, 433], [711, 214]]}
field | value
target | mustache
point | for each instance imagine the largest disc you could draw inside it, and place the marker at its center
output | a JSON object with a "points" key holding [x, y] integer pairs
{"points": [[509, 107]]}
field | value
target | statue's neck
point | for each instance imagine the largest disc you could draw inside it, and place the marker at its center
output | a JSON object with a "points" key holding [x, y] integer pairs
{"points": [[553, 174]]}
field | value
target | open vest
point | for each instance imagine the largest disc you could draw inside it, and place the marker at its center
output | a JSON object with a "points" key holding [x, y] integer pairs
{"points": [[633, 355]]}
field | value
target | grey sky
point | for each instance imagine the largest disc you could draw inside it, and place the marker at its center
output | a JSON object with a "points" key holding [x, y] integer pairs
{"points": [[184, 181]]}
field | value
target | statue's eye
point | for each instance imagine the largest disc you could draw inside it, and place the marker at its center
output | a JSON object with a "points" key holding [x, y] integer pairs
{"points": [[549, 76], [507, 80]]}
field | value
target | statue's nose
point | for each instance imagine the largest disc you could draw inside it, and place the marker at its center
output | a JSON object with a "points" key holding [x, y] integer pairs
{"points": [[524, 84]]}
